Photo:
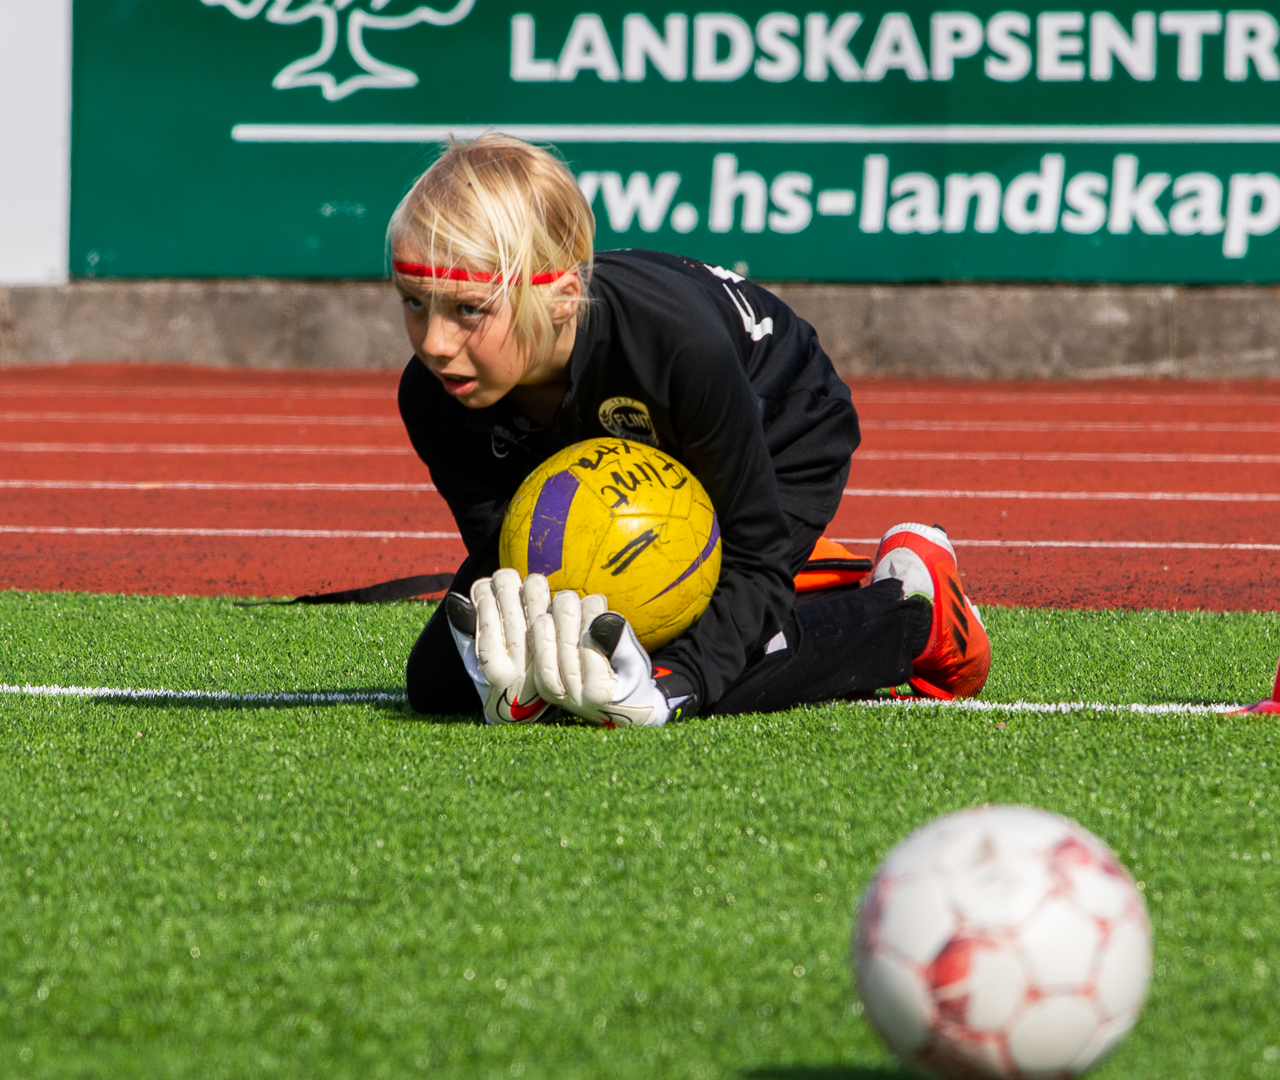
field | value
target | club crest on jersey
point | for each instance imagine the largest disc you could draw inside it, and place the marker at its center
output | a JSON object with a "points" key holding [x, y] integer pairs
{"points": [[627, 418]]}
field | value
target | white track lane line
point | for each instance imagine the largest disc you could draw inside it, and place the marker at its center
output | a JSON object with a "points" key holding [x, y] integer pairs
{"points": [[1069, 496], [1023, 397], [300, 534], [861, 493], [199, 485], [1118, 545], [202, 448], [128, 693], [360, 534], [164, 393], [861, 396], [862, 455], [197, 418], [1080, 456], [1244, 427], [342, 697]]}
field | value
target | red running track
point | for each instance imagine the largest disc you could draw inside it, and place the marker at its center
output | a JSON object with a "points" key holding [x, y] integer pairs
{"points": [[157, 479]]}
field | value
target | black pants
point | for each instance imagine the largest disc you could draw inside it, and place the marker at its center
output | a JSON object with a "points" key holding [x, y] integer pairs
{"points": [[839, 642]]}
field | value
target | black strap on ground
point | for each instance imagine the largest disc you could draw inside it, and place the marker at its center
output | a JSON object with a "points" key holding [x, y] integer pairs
{"points": [[405, 588], [851, 565], [383, 592]]}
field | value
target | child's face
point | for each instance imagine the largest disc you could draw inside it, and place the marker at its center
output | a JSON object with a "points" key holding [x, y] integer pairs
{"points": [[465, 340]]}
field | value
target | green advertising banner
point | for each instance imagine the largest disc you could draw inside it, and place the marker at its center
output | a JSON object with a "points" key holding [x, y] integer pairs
{"points": [[274, 137]]}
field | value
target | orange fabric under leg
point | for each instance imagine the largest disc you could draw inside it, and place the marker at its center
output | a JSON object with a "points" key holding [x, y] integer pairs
{"points": [[830, 565]]}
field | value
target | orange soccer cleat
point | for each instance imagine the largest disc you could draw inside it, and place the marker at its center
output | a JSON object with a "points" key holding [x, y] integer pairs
{"points": [[957, 658]]}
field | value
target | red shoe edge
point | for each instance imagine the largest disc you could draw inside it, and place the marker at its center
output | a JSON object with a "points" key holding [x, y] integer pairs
{"points": [[1269, 705]]}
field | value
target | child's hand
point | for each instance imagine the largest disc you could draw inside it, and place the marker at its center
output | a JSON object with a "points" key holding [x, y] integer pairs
{"points": [[491, 633], [587, 660]]}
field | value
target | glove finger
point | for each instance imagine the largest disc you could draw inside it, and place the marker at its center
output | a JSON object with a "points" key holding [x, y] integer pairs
{"points": [[598, 680], [479, 587], [593, 606], [491, 645], [599, 684], [536, 597], [545, 660], [506, 590], [566, 611]]}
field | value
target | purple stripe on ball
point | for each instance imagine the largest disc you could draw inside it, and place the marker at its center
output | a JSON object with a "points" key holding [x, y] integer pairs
{"points": [[706, 554], [546, 530]]}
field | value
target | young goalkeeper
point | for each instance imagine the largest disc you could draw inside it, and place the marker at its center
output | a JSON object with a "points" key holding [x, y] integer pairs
{"points": [[525, 342]]}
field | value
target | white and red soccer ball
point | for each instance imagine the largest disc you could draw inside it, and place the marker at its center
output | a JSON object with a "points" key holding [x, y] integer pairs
{"points": [[1002, 942]]}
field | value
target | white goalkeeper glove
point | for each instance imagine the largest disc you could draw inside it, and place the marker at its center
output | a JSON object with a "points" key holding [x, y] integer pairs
{"points": [[588, 660], [491, 633]]}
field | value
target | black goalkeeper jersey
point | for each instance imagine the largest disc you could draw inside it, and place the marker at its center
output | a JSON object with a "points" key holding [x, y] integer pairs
{"points": [[713, 370]]}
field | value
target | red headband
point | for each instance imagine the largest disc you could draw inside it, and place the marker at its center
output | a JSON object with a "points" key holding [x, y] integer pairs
{"points": [[483, 277]]}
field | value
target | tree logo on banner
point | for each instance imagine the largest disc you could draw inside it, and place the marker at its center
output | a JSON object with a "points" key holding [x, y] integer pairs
{"points": [[309, 70]]}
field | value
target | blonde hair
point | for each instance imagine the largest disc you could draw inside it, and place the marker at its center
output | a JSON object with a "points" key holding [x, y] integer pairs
{"points": [[507, 211]]}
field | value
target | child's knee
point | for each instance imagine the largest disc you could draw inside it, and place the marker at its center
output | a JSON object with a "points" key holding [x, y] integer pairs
{"points": [[436, 682], [416, 685]]}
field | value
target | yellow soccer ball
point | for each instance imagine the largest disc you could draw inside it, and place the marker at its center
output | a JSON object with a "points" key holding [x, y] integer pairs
{"points": [[623, 519]]}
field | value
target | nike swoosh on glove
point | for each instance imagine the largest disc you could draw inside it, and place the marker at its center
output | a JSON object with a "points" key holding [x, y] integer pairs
{"points": [[491, 631], [588, 660]]}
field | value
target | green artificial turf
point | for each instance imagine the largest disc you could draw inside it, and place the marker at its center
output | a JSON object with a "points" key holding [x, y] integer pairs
{"points": [[195, 889]]}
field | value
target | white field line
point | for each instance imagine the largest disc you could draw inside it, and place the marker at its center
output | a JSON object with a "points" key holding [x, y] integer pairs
{"points": [[1118, 545], [1074, 456], [1139, 709], [196, 418], [856, 134], [1189, 426], [202, 448], [178, 393], [199, 485], [341, 697], [128, 693], [1100, 398], [1069, 496], [299, 534]]}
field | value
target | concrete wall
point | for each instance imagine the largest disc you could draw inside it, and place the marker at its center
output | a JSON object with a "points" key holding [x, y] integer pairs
{"points": [[1046, 331], [961, 331], [35, 132]]}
